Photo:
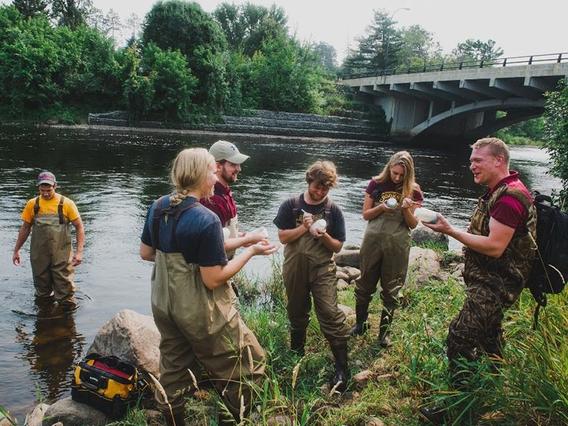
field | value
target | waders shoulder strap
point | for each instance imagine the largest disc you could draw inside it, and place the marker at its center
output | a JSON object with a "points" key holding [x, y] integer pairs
{"points": [[160, 211], [60, 211], [36, 206]]}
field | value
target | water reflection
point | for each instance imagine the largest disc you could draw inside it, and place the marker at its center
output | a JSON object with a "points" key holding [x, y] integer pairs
{"points": [[52, 346]]}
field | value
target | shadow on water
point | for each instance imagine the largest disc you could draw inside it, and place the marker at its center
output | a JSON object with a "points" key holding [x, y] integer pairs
{"points": [[113, 176]]}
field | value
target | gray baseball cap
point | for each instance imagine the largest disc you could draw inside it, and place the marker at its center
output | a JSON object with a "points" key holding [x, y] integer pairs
{"points": [[223, 150], [46, 177]]}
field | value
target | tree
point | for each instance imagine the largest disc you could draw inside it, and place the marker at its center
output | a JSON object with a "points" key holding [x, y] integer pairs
{"points": [[556, 136], [477, 50], [111, 24], [133, 24], [176, 24], [31, 8], [248, 26], [326, 56], [378, 49], [71, 13], [158, 82], [418, 47]]}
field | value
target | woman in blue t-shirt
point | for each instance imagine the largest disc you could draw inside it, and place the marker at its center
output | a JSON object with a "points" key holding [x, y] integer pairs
{"points": [[390, 201], [200, 327]]}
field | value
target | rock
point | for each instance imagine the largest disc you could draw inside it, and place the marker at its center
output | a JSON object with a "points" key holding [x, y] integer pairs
{"points": [[362, 377], [424, 235], [351, 247], [72, 413], [279, 420], [374, 421], [342, 284], [132, 337], [5, 422], [457, 273], [423, 265], [153, 417], [35, 418], [342, 275], [346, 310], [347, 258], [353, 273]]}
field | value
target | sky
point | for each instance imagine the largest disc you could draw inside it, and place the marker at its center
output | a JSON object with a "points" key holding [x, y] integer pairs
{"points": [[520, 28]]}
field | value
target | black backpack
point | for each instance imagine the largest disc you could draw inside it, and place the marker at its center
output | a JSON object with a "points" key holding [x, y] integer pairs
{"points": [[550, 268]]}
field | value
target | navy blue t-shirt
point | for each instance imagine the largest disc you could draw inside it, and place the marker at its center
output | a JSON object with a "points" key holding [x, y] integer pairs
{"points": [[198, 235], [289, 217]]}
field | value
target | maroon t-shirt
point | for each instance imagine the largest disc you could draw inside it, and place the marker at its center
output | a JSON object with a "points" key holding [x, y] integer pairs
{"points": [[221, 203], [381, 191], [508, 210]]}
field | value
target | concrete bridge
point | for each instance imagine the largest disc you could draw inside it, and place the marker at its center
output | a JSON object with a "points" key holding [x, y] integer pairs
{"points": [[457, 103]]}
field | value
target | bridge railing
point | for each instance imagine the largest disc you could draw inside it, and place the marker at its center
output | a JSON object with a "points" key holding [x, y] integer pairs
{"points": [[459, 65]]}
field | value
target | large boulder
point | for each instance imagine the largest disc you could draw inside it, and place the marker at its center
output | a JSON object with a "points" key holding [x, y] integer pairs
{"points": [[423, 235], [347, 258], [132, 337], [423, 265], [72, 413]]}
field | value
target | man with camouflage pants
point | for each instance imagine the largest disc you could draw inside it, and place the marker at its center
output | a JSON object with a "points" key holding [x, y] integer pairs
{"points": [[499, 249]]}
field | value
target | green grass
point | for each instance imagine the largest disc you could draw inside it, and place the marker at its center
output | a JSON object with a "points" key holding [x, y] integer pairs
{"points": [[530, 388]]}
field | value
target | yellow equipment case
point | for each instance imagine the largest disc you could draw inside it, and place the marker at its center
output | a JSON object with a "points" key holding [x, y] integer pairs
{"points": [[107, 384]]}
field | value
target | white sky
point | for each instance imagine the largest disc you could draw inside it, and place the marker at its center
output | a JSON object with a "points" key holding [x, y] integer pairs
{"points": [[519, 27]]}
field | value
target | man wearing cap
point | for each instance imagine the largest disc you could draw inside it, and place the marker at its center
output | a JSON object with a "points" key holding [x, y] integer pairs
{"points": [[50, 215], [222, 203]]}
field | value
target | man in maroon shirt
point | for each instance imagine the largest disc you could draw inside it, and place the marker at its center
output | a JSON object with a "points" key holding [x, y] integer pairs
{"points": [[499, 249], [222, 203]]}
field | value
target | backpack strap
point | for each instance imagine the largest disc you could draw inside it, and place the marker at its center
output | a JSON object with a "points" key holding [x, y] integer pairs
{"points": [[60, 211]]}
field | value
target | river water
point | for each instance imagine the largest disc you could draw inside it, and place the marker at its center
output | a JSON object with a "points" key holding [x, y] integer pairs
{"points": [[113, 176]]}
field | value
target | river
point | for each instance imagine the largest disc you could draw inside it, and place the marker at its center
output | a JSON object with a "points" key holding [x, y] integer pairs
{"points": [[113, 176]]}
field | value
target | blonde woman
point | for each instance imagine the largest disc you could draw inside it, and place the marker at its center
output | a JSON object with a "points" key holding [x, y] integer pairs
{"points": [[191, 302], [390, 201]]}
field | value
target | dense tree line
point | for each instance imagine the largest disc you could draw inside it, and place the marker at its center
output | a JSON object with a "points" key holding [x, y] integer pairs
{"points": [[59, 55]]}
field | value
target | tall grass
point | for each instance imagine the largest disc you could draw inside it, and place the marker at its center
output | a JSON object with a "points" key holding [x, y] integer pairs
{"points": [[529, 387]]}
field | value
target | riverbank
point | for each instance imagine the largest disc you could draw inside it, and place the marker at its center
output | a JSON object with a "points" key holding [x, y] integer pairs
{"points": [[121, 130], [389, 385]]}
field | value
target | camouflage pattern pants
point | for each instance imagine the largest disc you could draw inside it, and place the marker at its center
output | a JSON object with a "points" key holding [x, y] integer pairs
{"points": [[477, 329]]}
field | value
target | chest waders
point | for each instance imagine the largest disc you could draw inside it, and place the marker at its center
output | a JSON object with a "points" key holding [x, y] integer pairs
{"points": [[51, 254], [200, 330], [309, 268], [383, 257], [492, 285]]}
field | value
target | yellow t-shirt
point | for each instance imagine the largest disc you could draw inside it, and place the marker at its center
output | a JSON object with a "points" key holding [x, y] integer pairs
{"points": [[49, 207]]}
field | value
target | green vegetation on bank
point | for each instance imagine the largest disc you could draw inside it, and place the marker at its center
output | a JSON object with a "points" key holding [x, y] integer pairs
{"points": [[531, 387]]}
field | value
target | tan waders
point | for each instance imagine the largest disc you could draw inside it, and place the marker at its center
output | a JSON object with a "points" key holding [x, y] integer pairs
{"points": [[51, 254], [201, 330], [308, 267], [384, 257]]}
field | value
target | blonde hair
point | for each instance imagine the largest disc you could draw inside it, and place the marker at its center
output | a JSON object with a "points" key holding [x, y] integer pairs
{"points": [[322, 173], [189, 170], [496, 146], [404, 159]]}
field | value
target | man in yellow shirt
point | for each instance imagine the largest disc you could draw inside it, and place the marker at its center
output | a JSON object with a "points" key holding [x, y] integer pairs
{"points": [[51, 252]]}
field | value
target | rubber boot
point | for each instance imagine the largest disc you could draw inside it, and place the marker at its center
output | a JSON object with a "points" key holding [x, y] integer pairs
{"points": [[361, 326], [386, 319], [297, 341], [341, 376], [435, 415], [175, 418]]}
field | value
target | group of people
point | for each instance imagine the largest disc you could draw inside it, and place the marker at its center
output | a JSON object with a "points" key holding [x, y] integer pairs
{"points": [[192, 236]]}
